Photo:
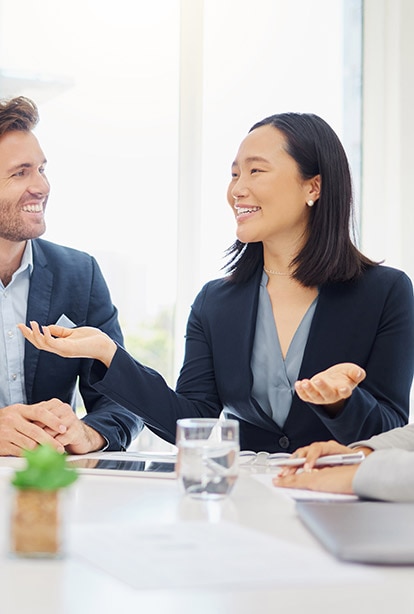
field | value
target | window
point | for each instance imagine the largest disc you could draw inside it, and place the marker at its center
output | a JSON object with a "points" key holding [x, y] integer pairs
{"points": [[143, 106], [106, 82]]}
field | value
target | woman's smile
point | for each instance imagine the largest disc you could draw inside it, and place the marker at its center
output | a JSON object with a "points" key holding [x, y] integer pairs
{"points": [[243, 213]]}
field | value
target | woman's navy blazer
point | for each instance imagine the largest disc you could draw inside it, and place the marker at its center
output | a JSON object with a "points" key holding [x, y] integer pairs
{"points": [[369, 322]]}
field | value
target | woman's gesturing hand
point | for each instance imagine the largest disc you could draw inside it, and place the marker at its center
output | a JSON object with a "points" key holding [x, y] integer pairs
{"points": [[331, 387], [83, 342]]}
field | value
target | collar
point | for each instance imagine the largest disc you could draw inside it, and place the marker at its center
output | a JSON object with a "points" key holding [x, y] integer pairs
{"points": [[27, 258]]}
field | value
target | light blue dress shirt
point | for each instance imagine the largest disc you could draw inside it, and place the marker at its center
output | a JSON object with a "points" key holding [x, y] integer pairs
{"points": [[13, 307], [273, 376]]}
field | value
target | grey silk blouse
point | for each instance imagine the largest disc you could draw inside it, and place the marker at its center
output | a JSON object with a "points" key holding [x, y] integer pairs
{"points": [[274, 376]]}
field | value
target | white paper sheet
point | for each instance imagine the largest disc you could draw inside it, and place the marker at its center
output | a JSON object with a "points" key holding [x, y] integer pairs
{"points": [[203, 555], [301, 495]]}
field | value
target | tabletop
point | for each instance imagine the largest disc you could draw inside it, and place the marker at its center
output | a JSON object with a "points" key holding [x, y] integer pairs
{"points": [[139, 544]]}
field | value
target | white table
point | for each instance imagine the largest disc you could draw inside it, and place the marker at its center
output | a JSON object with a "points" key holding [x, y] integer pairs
{"points": [[75, 586]]}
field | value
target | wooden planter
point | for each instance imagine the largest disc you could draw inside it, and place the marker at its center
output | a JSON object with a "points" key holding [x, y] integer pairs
{"points": [[36, 523]]}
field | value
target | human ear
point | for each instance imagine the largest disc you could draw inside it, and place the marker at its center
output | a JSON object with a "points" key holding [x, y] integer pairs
{"points": [[314, 189]]}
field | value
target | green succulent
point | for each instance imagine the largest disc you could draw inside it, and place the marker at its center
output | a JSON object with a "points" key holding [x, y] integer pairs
{"points": [[46, 469]]}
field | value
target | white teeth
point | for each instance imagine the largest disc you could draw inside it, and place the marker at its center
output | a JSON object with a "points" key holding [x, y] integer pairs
{"points": [[241, 210], [33, 208]]}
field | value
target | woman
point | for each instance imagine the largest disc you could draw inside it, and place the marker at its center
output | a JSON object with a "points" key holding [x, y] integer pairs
{"points": [[386, 474], [305, 339]]}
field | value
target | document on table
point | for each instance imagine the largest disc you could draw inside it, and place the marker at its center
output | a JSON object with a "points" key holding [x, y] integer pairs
{"points": [[301, 494], [204, 555]]}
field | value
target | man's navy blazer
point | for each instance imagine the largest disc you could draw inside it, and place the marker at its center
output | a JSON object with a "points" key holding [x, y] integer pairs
{"points": [[69, 282], [369, 322]]}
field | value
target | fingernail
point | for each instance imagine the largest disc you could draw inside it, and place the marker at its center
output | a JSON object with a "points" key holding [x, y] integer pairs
{"points": [[62, 428]]}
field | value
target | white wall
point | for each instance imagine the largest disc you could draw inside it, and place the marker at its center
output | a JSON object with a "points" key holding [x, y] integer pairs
{"points": [[387, 230]]}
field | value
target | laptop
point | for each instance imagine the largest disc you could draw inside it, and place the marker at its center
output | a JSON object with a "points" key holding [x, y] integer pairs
{"points": [[362, 531]]}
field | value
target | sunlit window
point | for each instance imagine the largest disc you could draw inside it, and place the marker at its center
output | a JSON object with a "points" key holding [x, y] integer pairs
{"points": [[106, 81], [112, 80]]}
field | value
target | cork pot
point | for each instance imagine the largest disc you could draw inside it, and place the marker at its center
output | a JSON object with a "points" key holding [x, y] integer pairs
{"points": [[36, 523]]}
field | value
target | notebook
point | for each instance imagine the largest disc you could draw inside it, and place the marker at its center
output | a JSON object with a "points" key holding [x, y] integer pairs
{"points": [[362, 531]]}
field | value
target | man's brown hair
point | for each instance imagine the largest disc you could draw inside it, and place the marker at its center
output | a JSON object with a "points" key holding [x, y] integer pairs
{"points": [[18, 114]]}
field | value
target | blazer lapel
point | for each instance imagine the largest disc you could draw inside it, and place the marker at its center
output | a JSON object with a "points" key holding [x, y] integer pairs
{"points": [[234, 341], [330, 321], [38, 307]]}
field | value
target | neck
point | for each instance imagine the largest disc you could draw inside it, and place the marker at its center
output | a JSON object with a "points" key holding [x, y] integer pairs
{"points": [[274, 272], [11, 254]]}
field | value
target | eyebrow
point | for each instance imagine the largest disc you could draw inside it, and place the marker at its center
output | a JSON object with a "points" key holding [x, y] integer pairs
{"points": [[252, 159], [24, 165]]}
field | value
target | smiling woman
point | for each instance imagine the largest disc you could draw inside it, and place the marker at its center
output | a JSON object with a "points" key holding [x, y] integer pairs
{"points": [[311, 355], [160, 90], [265, 179]]}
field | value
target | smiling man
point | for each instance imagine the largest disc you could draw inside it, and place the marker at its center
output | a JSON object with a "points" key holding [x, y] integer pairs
{"points": [[40, 280]]}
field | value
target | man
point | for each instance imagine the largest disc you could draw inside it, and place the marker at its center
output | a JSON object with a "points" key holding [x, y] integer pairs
{"points": [[43, 281]]}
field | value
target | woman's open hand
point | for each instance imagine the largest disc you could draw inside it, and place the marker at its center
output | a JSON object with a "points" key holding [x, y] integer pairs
{"points": [[331, 387], [83, 342]]}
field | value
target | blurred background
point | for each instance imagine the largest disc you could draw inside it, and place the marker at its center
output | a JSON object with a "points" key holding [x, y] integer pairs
{"points": [[143, 106]]}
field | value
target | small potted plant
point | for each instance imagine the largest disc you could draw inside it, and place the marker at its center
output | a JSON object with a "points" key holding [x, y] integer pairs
{"points": [[37, 516]]}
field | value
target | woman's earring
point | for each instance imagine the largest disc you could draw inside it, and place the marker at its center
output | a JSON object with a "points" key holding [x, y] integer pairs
{"points": [[310, 203]]}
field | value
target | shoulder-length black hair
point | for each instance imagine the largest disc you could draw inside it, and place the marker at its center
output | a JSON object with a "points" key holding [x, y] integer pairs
{"points": [[329, 254]]}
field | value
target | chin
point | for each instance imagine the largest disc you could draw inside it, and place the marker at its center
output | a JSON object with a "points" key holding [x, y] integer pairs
{"points": [[36, 233], [245, 237]]}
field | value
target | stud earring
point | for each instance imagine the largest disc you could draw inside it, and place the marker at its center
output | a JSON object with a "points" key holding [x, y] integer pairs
{"points": [[310, 203]]}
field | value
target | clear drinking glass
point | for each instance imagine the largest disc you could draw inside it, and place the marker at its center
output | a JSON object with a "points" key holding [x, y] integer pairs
{"points": [[208, 456]]}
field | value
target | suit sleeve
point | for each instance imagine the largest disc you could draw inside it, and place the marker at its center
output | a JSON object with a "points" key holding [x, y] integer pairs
{"points": [[145, 392], [381, 402], [116, 424], [402, 437], [387, 475]]}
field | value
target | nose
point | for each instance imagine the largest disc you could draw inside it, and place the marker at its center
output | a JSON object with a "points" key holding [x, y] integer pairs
{"points": [[40, 185], [237, 189]]}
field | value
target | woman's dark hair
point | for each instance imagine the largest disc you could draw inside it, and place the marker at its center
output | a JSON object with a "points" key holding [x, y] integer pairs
{"points": [[18, 114], [329, 254]]}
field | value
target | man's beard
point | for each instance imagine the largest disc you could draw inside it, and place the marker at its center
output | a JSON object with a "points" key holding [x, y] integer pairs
{"points": [[13, 228]]}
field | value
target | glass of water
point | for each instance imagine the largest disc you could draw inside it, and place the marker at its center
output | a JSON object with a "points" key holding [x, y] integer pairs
{"points": [[208, 456]]}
